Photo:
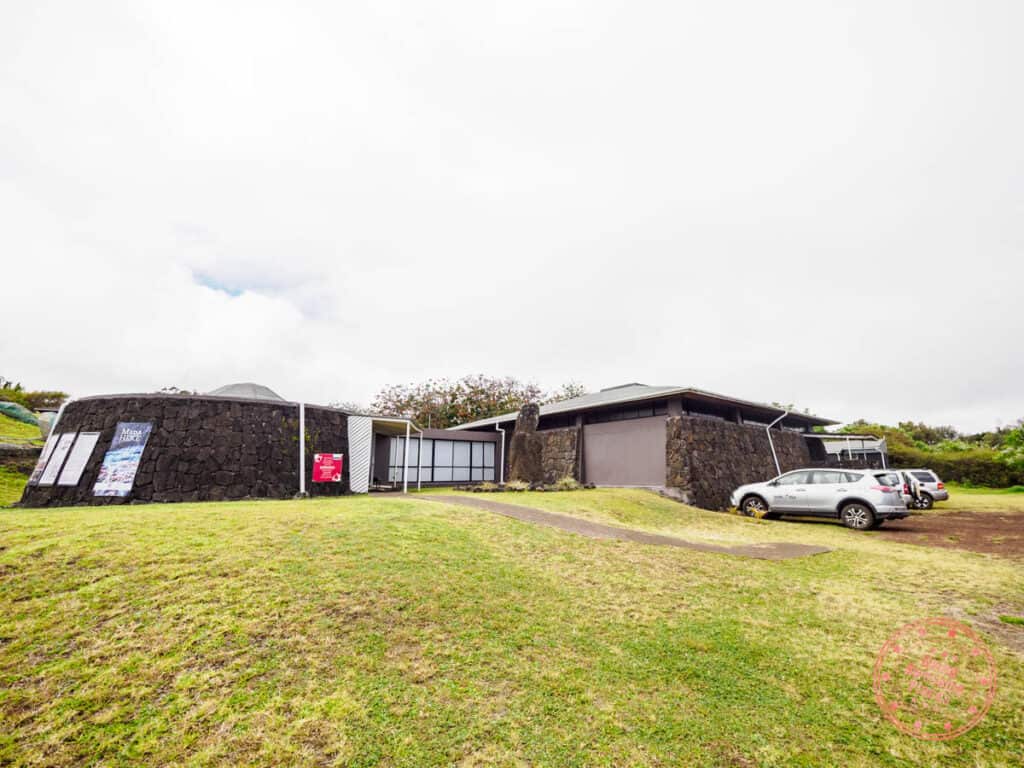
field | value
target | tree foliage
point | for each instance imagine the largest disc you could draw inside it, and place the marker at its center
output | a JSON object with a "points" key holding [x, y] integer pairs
{"points": [[442, 403], [13, 392], [990, 458]]}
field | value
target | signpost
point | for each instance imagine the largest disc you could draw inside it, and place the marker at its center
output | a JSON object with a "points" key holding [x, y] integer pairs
{"points": [[327, 467]]}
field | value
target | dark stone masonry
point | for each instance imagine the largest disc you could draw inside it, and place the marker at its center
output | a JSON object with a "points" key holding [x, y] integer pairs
{"points": [[542, 457], [706, 459], [560, 453], [203, 449]]}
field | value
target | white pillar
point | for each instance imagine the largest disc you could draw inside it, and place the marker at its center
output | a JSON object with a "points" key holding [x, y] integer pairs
{"points": [[405, 467], [302, 449], [419, 464]]}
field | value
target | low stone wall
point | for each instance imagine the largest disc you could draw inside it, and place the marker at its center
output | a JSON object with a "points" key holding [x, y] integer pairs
{"points": [[19, 458], [202, 448], [706, 459]]}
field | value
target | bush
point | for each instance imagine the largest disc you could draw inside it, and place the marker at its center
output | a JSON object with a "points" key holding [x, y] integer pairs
{"points": [[567, 483], [976, 466], [517, 485]]}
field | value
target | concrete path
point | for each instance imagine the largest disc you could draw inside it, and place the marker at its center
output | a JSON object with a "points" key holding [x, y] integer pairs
{"points": [[774, 551]]}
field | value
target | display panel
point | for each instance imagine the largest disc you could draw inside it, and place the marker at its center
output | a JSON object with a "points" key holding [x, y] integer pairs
{"points": [[121, 462], [57, 459], [80, 454]]}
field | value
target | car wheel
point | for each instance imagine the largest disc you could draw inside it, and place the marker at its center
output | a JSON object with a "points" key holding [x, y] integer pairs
{"points": [[925, 502], [857, 516], [754, 506]]}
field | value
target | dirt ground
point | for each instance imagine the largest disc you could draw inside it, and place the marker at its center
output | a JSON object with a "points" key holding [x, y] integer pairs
{"points": [[990, 532]]}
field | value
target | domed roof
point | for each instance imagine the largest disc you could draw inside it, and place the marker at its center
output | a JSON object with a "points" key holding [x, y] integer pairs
{"points": [[246, 390]]}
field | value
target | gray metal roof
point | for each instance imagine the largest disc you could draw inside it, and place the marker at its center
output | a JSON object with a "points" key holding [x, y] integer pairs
{"points": [[628, 393], [246, 390]]}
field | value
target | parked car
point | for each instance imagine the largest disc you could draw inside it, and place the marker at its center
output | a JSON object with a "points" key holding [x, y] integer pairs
{"points": [[930, 488], [857, 498]]}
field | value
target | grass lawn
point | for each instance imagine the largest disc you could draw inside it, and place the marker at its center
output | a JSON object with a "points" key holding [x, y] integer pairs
{"points": [[11, 485], [403, 632], [982, 499], [14, 431]]}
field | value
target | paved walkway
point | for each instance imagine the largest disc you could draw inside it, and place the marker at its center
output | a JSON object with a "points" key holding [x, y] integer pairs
{"points": [[774, 551]]}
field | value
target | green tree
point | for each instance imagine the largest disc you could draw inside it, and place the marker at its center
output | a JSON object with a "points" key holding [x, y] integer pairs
{"points": [[442, 403]]}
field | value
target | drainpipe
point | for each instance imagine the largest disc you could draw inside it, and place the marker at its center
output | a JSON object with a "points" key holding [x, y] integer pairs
{"points": [[501, 470], [768, 431]]}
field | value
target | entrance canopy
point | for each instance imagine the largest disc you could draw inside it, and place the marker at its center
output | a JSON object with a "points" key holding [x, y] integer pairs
{"points": [[397, 427]]}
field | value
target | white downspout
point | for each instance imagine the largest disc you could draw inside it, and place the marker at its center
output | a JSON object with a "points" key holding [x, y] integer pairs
{"points": [[501, 471], [768, 431], [419, 465], [302, 449], [405, 466]]}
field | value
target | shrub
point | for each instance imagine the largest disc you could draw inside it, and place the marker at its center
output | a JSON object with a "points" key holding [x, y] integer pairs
{"points": [[567, 483], [517, 485], [977, 466]]}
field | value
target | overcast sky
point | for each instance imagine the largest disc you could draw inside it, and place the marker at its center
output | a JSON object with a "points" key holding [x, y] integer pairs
{"points": [[808, 202]]}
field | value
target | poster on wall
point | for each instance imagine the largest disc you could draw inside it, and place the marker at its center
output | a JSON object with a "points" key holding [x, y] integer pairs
{"points": [[78, 458], [121, 462], [44, 457], [57, 458], [327, 467]]}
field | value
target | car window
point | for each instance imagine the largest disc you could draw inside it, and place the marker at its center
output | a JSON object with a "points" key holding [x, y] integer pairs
{"points": [[825, 477], [924, 477], [794, 478], [851, 477], [888, 478]]}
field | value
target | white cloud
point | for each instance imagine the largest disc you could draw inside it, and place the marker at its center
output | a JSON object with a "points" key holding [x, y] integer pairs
{"points": [[792, 202]]}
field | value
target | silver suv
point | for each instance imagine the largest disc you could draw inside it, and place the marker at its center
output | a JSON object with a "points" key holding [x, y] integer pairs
{"points": [[930, 488], [857, 498]]}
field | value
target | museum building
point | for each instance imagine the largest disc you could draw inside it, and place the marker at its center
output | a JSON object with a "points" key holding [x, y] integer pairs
{"points": [[245, 441]]}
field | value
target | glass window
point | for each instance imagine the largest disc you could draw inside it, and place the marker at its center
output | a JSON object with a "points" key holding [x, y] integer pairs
{"points": [[488, 454], [822, 477], [443, 453], [392, 451], [460, 474], [426, 475], [794, 478], [442, 474], [851, 477], [461, 454], [414, 452], [477, 474], [489, 473], [428, 453], [924, 477], [478, 454]]}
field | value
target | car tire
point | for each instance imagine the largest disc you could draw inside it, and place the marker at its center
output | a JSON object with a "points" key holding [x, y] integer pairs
{"points": [[752, 505], [858, 516], [925, 502]]}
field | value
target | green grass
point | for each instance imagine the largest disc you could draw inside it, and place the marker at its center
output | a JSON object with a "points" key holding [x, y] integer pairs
{"points": [[14, 431], [402, 632], [981, 500], [11, 485]]}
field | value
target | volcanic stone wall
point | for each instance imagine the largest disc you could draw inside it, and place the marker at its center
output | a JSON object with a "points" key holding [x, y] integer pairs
{"points": [[706, 459], [542, 456], [560, 453], [202, 448]]}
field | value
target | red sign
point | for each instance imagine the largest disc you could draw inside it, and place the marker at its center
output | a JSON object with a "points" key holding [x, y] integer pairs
{"points": [[327, 467]]}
